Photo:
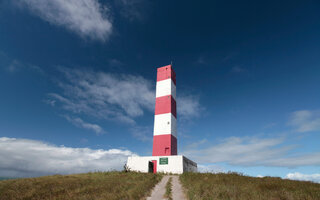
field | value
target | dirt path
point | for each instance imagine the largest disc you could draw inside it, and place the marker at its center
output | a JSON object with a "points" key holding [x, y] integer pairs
{"points": [[159, 190], [177, 190]]}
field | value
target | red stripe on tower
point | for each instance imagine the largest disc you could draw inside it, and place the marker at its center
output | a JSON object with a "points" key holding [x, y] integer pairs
{"points": [[166, 72], [165, 128], [164, 145], [166, 104]]}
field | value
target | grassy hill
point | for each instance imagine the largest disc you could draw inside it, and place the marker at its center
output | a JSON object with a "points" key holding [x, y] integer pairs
{"points": [[120, 185], [100, 185], [234, 186]]}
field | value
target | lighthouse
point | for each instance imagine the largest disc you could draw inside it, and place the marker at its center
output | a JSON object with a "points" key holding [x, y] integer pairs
{"points": [[165, 156], [165, 118]]}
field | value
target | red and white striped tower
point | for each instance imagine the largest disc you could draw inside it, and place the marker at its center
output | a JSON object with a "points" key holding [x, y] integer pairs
{"points": [[165, 119]]}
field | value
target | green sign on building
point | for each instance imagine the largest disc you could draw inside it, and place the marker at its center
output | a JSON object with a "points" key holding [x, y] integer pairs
{"points": [[163, 161]]}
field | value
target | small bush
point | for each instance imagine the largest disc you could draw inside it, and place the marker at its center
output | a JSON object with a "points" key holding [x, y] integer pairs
{"points": [[126, 168]]}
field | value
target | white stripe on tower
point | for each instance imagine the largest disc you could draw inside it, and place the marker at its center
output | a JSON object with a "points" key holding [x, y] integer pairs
{"points": [[165, 124], [166, 87]]}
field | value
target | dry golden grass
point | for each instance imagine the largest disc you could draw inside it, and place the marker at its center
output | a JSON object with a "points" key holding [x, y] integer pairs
{"points": [[99, 185], [234, 186]]}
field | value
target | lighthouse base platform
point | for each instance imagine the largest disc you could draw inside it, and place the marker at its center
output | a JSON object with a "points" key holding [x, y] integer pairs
{"points": [[164, 164]]}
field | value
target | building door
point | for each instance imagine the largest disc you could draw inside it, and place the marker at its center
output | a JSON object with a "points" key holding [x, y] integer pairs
{"points": [[150, 167], [154, 162]]}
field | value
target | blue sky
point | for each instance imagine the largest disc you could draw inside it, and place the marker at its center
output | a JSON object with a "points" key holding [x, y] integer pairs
{"points": [[77, 81]]}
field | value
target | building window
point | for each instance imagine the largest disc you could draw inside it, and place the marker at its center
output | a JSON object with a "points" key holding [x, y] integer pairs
{"points": [[166, 150]]}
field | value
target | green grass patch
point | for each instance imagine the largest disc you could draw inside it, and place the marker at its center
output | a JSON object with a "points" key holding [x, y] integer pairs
{"points": [[235, 186], [168, 193], [98, 185]]}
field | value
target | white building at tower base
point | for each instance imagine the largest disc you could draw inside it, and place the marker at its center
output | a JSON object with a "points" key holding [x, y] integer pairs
{"points": [[176, 164]]}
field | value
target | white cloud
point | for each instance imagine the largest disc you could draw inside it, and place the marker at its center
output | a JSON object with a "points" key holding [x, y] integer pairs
{"points": [[26, 158], [188, 106], [142, 133], [118, 97], [104, 95], [297, 160], [252, 151], [132, 9], [196, 144], [14, 66], [305, 120], [87, 18], [80, 123], [115, 63], [238, 151], [304, 177], [210, 169]]}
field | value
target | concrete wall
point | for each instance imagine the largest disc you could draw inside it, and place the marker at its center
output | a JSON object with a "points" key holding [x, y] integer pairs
{"points": [[189, 165], [176, 164]]}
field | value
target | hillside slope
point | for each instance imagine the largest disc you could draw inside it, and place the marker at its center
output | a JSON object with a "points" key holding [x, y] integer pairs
{"points": [[234, 186], [99, 185], [120, 185]]}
